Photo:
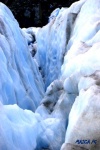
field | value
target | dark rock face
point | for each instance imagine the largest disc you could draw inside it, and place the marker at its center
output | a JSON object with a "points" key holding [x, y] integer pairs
{"points": [[34, 12]]}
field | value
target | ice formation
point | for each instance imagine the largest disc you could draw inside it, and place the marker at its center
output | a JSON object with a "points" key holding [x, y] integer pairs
{"points": [[19, 75], [51, 100]]}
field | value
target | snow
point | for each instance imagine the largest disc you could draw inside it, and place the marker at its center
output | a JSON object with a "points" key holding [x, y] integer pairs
{"points": [[50, 98]]}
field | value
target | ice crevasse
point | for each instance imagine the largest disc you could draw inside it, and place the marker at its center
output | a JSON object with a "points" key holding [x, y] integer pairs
{"points": [[51, 100]]}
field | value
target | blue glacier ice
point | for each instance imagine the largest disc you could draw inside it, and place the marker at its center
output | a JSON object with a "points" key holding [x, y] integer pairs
{"points": [[19, 73], [50, 80]]}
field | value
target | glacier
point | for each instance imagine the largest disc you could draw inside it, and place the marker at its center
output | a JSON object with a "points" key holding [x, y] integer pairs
{"points": [[18, 77], [50, 80]]}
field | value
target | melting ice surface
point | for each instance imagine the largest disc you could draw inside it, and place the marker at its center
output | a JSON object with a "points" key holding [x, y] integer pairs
{"points": [[52, 99]]}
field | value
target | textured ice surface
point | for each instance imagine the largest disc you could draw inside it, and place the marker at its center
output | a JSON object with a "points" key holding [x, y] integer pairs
{"points": [[18, 128], [21, 85], [66, 64], [81, 71], [52, 41], [19, 74]]}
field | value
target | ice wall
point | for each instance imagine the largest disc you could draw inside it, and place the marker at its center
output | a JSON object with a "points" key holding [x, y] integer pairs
{"points": [[70, 46], [68, 62], [81, 71], [21, 85], [52, 40], [20, 80]]}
